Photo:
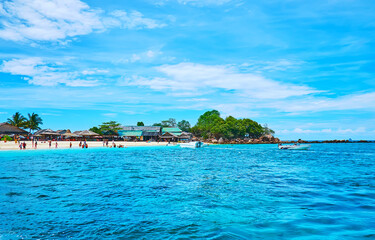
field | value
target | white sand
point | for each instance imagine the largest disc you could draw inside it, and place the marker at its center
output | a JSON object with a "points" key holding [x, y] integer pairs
{"points": [[65, 144]]}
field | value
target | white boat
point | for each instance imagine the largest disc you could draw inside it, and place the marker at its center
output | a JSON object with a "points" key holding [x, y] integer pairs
{"points": [[295, 147], [193, 145]]}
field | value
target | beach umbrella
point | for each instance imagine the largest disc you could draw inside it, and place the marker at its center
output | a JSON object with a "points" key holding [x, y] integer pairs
{"points": [[88, 133], [69, 134], [6, 129]]}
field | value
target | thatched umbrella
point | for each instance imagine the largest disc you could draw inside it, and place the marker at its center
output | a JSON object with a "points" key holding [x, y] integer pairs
{"points": [[46, 133], [6, 129], [88, 133], [69, 134]]}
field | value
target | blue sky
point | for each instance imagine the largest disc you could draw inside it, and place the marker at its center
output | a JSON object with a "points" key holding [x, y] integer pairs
{"points": [[306, 68]]}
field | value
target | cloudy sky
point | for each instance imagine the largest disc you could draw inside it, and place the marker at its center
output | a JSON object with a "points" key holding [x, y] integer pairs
{"points": [[306, 68]]}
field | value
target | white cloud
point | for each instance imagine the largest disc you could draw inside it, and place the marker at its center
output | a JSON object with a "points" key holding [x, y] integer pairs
{"points": [[196, 2], [38, 72], [50, 114], [146, 56], [56, 20], [347, 102], [197, 79], [329, 130], [134, 20], [271, 66], [109, 114], [358, 130], [94, 71]]}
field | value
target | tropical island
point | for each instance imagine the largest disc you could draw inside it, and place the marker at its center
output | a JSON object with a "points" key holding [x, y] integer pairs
{"points": [[210, 128]]}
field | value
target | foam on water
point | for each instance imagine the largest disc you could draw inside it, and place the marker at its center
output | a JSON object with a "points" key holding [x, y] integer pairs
{"points": [[219, 192]]}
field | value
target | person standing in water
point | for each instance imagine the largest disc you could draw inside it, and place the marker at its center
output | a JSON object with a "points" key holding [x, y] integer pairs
{"points": [[70, 145], [56, 144], [36, 144]]}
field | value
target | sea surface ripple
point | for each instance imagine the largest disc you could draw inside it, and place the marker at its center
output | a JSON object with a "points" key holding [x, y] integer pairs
{"points": [[219, 192]]}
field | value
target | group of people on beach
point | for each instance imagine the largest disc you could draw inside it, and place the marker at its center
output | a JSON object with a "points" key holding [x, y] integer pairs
{"points": [[34, 143], [84, 145], [22, 145], [105, 143]]}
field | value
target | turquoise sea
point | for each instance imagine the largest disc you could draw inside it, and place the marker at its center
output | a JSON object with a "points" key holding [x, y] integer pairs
{"points": [[219, 192]]}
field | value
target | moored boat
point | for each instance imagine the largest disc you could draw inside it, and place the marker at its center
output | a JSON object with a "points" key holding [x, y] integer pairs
{"points": [[295, 147], [192, 145]]}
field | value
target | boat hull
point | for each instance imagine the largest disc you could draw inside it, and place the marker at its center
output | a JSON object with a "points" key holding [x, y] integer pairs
{"points": [[192, 145], [295, 147]]}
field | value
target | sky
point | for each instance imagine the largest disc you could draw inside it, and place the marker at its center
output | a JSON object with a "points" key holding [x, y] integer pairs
{"points": [[304, 68]]}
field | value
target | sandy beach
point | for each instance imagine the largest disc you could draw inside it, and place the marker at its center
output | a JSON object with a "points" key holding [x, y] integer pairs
{"points": [[75, 144]]}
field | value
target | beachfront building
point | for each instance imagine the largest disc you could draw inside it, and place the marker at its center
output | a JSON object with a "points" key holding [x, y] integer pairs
{"points": [[174, 134], [140, 133], [174, 130]]}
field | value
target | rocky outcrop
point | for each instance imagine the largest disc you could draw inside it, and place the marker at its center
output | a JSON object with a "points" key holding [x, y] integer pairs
{"points": [[263, 139]]}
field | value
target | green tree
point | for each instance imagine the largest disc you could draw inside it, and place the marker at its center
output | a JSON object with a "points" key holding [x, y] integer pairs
{"points": [[33, 122], [171, 122], [17, 120], [110, 128], [252, 128], [208, 125], [184, 126], [96, 130], [267, 130], [140, 124]]}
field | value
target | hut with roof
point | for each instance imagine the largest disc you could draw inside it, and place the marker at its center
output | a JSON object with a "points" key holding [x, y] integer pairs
{"points": [[142, 133], [174, 134], [46, 134], [87, 134], [8, 129], [185, 137], [68, 135]]}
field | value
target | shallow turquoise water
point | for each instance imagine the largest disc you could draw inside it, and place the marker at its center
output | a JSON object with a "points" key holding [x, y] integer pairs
{"points": [[220, 192]]}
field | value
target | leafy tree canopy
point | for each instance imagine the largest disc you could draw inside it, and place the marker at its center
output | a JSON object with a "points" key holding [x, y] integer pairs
{"points": [[171, 122], [184, 126], [107, 128], [211, 125], [17, 120], [140, 124], [33, 122], [96, 130]]}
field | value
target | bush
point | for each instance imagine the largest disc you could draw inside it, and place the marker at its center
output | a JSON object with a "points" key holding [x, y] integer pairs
{"points": [[7, 138]]}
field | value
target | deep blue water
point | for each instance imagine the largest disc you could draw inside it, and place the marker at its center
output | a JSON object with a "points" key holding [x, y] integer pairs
{"points": [[220, 192]]}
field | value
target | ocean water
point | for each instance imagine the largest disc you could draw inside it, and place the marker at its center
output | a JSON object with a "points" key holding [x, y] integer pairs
{"points": [[219, 192]]}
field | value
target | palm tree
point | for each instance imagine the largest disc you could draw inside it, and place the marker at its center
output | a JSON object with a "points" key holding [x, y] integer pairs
{"points": [[17, 120], [34, 121]]}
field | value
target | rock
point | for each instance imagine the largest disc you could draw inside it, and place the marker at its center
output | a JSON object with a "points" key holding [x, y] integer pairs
{"points": [[221, 140], [214, 141]]}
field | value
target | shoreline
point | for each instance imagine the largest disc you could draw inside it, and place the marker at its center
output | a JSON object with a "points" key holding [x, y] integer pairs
{"points": [[75, 145], [11, 146]]}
